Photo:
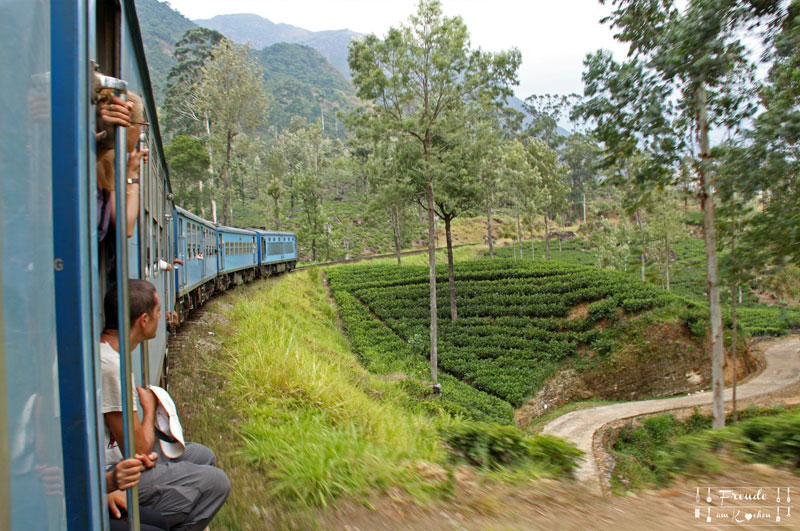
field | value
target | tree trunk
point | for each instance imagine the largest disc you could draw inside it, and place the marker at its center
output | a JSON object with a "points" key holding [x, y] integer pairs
{"points": [[489, 224], [227, 208], [519, 238], [712, 269], [208, 148], [533, 247], [277, 214], [733, 342], [432, 271], [644, 242], [546, 239], [584, 209], [200, 207], [667, 253], [450, 270], [396, 231]]}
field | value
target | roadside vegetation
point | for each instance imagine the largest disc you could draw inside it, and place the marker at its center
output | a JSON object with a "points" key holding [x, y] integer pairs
{"points": [[659, 449]]}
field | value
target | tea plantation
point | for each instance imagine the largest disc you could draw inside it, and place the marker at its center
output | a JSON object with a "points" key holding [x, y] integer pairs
{"points": [[517, 322], [688, 281]]}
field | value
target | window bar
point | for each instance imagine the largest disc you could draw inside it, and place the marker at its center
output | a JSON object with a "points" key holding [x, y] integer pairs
{"points": [[123, 308]]}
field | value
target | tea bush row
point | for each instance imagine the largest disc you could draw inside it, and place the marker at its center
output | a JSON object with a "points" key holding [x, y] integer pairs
{"points": [[383, 352]]}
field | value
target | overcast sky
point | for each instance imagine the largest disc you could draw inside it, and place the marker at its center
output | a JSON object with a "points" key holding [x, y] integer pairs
{"points": [[554, 36]]}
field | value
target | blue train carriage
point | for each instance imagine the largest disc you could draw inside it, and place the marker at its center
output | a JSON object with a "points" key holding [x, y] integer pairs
{"points": [[151, 244], [277, 252], [52, 278], [237, 256], [195, 245]]}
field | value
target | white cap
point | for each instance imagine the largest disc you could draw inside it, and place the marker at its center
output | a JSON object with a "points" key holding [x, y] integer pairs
{"points": [[168, 426]]}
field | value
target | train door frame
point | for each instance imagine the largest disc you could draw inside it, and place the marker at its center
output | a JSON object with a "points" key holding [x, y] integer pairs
{"points": [[221, 254]]}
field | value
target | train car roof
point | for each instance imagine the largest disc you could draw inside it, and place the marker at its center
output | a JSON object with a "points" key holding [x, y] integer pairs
{"points": [[270, 232], [234, 230], [185, 213]]}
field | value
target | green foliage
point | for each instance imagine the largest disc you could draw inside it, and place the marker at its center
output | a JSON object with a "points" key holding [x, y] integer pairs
{"points": [[687, 281], [232, 97], [663, 447], [773, 440], [188, 165], [303, 84], [182, 107], [493, 446], [486, 445], [161, 28], [382, 351]]}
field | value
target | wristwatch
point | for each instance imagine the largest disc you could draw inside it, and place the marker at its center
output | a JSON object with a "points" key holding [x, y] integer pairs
{"points": [[133, 181]]}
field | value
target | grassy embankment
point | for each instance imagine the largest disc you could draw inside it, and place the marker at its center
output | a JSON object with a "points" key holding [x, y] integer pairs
{"points": [[298, 423]]}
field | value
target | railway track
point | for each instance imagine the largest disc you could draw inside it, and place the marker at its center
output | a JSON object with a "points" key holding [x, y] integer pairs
{"points": [[176, 341], [378, 256]]}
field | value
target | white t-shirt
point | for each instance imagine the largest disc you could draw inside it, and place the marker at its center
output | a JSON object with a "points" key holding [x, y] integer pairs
{"points": [[161, 265], [112, 397]]}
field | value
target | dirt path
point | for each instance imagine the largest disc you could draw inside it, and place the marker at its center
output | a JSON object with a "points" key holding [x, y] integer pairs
{"points": [[783, 369]]}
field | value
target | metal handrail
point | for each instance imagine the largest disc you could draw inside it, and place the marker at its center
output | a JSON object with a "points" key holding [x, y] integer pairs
{"points": [[123, 307]]}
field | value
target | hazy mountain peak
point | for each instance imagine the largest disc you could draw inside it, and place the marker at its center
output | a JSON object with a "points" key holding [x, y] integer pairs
{"points": [[260, 32]]}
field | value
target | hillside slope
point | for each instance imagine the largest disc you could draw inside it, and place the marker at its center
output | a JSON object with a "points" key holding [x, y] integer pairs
{"points": [[298, 77], [261, 32], [519, 323], [161, 28], [300, 81]]}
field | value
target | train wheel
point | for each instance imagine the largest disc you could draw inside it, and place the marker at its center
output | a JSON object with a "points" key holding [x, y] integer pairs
{"points": [[165, 372]]}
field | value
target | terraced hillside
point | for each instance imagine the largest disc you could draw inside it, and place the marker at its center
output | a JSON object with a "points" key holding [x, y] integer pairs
{"points": [[518, 321], [688, 281]]}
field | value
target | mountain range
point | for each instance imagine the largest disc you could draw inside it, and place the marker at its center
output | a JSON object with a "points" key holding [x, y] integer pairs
{"points": [[305, 71], [261, 32], [302, 79]]}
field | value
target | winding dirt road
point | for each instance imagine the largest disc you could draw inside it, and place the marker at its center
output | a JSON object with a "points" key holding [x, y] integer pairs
{"points": [[783, 369]]}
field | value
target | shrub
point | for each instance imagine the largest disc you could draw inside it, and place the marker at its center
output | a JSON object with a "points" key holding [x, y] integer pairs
{"points": [[485, 445], [556, 453], [773, 439], [488, 445]]}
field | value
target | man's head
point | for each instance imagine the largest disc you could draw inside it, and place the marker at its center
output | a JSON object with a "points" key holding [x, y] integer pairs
{"points": [[145, 309]]}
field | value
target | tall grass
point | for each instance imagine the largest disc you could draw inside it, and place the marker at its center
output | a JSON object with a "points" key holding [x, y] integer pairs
{"points": [[318, 424]]}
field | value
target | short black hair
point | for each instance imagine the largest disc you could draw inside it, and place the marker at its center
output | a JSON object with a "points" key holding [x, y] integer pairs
{"points": [[142, 298]]}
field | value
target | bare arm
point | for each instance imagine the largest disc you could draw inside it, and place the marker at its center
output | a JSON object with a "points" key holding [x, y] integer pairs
{"points": [[144, 431], [132, 191]]}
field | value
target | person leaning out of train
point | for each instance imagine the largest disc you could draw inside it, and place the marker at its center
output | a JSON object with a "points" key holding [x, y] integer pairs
{"points": [[188, 489], [112, 111], [162, 265]]}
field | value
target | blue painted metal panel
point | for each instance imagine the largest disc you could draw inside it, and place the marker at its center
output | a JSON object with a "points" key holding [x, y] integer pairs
{"points": [[238, 250], [195, 239], [276, 247], [74, 229], [32, 482]]}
